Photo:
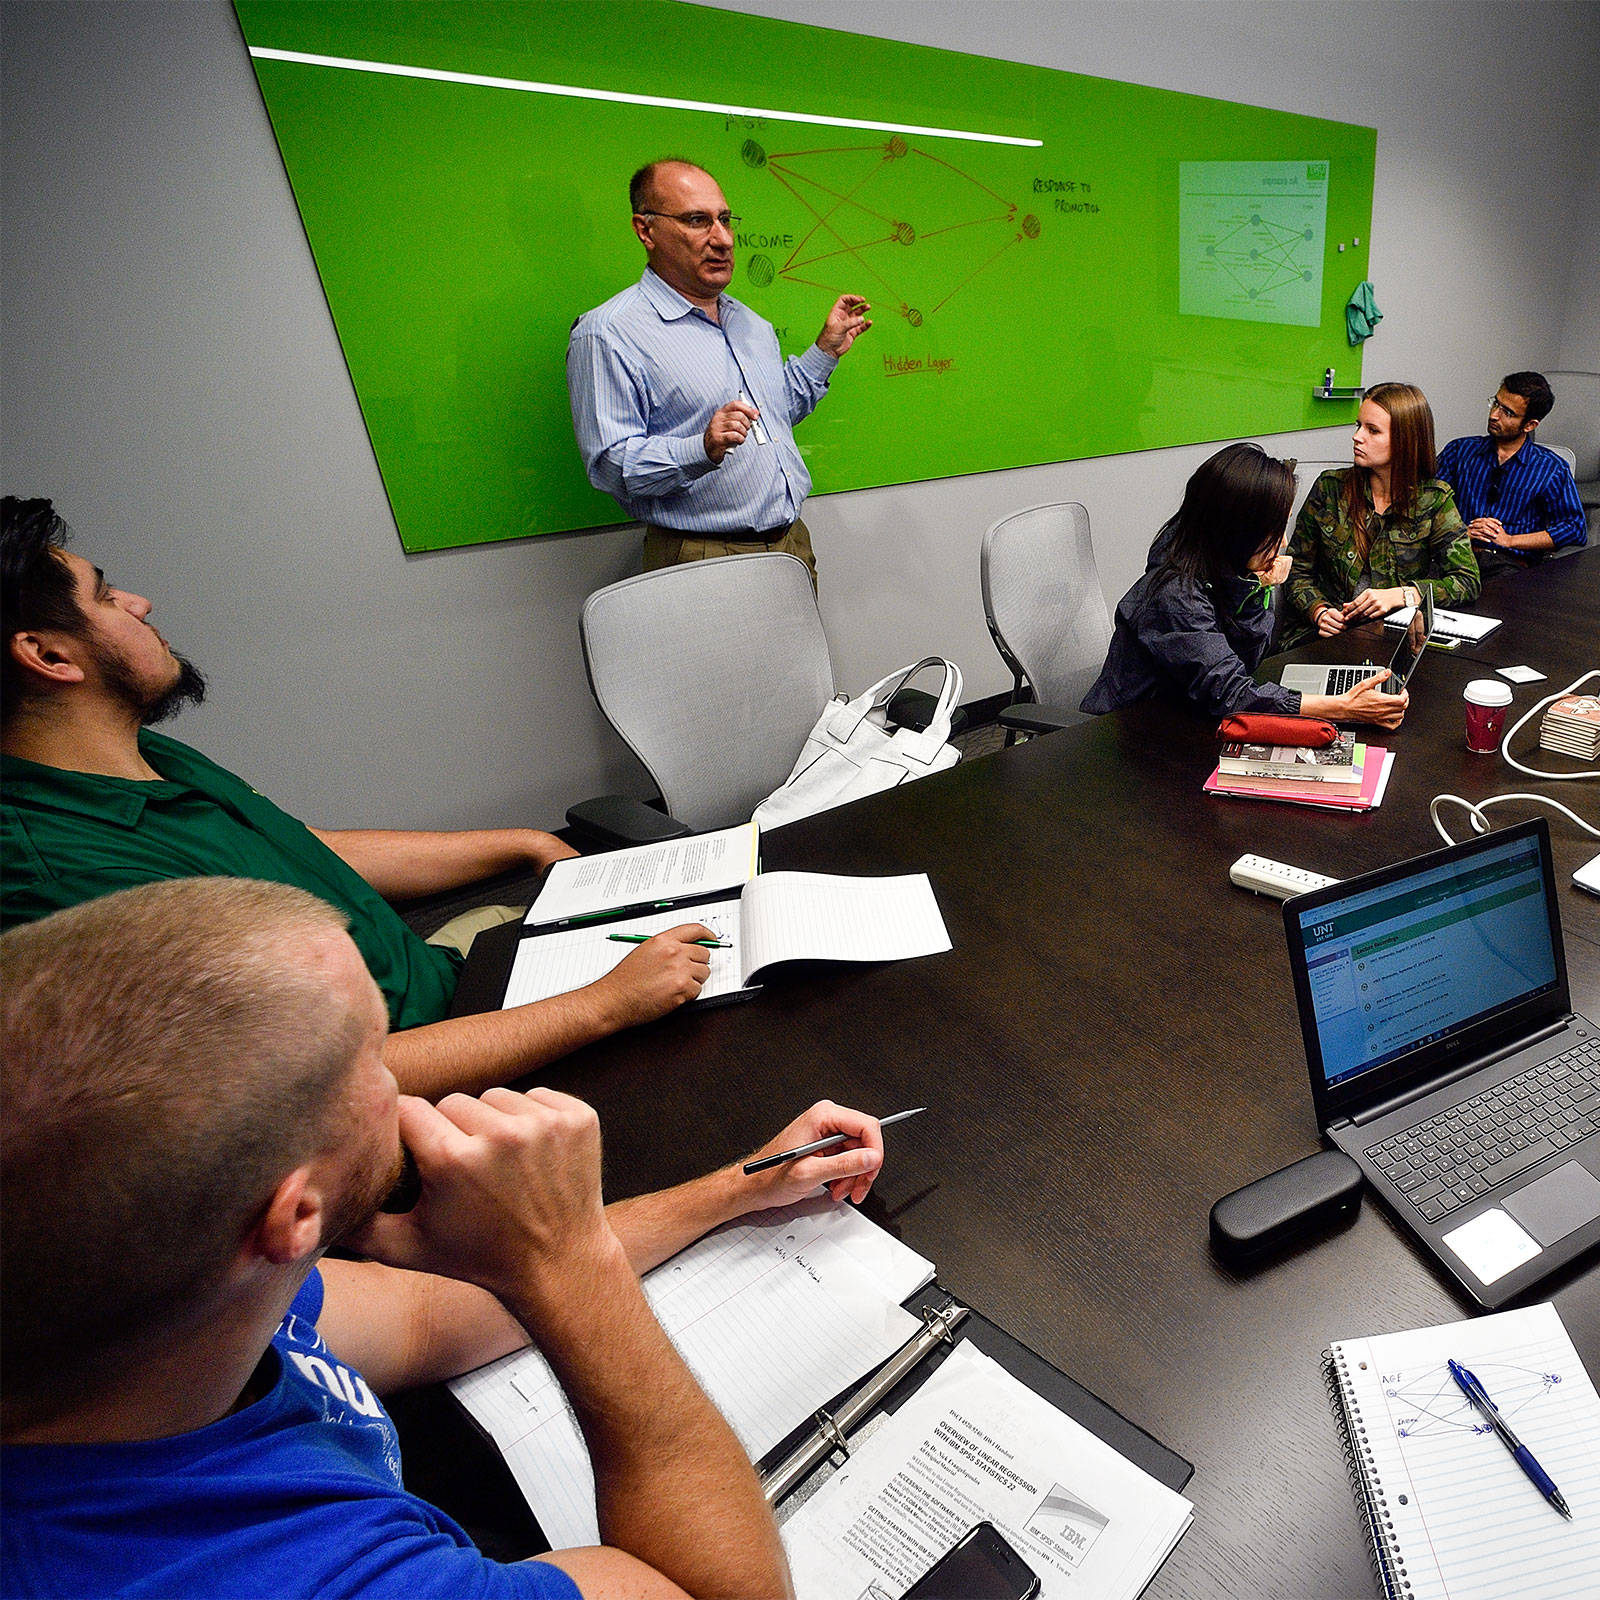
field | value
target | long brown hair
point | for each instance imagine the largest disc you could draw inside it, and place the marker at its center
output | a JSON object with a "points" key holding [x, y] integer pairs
{"points": [[1412, 457]]}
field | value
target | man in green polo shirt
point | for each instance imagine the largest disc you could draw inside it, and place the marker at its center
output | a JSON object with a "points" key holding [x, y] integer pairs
{"points": [[96, 801]]}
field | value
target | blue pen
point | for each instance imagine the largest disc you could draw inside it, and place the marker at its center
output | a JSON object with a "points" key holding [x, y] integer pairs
{"points": [[1520, 1453]]}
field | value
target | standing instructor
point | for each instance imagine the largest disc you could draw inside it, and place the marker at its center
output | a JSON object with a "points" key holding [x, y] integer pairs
{"points": [[682, 402]]}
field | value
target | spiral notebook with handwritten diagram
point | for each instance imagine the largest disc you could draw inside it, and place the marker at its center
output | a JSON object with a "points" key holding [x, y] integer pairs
{"points": [[1448, 1513]]}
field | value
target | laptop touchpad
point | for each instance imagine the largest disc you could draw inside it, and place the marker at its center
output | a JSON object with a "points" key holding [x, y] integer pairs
{"points": [[1557, 1203]]}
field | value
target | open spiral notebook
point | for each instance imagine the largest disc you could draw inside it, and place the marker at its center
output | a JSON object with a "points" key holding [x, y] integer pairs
{"points": [[1449, 1515]]}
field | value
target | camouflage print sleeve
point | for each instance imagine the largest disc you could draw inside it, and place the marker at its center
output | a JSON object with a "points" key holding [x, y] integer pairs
{"points": [[1315, 524]]}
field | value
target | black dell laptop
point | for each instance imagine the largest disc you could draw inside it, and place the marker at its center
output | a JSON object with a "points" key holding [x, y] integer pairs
{"points": [[1446, 1059]]}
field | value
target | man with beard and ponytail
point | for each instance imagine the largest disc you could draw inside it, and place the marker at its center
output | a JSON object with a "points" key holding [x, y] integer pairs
{"points": [[96, 801], [195, 1107]]}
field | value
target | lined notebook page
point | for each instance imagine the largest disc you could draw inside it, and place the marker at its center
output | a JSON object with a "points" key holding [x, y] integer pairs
{"points": [[774, 1316], [556, 963], [815, 916], [1468, 1523]]}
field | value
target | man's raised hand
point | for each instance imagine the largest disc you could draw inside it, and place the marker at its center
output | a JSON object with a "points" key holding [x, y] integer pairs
{"points": [[846, 323]]}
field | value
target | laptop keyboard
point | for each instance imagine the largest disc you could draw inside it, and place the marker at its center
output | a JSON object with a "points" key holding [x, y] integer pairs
{"points": [[1446, 1162], [1343, 679]]}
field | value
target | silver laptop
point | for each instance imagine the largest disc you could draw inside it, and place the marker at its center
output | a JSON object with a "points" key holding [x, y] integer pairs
{"points": [[1446, 1059], [1414, 639]]}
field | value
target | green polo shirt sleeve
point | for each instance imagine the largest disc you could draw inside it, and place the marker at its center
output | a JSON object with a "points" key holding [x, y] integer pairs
{"points": [[67, 837]]}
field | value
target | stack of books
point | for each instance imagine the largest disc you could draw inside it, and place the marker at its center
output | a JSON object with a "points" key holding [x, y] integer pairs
{"points": [[1344, 776], [1572, 727]]}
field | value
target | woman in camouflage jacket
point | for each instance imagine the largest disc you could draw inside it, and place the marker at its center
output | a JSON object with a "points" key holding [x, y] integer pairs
{"points": [[1369, 536]]}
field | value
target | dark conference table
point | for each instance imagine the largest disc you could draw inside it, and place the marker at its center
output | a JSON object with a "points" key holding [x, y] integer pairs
{"points": [[1111, 1045]]}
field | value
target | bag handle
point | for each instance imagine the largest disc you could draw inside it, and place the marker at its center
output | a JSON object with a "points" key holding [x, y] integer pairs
{"points": [[926, 745], [849, 716]]}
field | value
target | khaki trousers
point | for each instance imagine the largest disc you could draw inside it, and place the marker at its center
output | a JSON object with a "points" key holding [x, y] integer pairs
{"points": [[459, 932], [665, 548]]}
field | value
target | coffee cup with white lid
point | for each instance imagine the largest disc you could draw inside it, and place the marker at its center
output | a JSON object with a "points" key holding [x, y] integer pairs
{"points": [[1485, 701]]}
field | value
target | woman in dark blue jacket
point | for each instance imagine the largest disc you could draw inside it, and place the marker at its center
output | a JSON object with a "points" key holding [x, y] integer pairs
{"points": [[1199, 621]]}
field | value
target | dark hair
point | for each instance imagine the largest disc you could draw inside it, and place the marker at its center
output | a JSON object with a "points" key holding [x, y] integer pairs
{"points": [[641, 186], [1412, 457], [36, 585], [1531, 386], [1234, 507]]}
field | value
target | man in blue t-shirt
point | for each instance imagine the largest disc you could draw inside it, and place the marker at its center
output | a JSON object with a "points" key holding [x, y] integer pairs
{"points": [[195, 1106], [1518, 499]]}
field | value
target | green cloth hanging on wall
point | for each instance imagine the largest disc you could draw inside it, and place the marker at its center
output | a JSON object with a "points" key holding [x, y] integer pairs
{"points": [[1361, 314]]}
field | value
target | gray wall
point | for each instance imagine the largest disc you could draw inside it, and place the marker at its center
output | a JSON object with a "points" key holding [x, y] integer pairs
{"points": [[1580, 334], [173, 380]]}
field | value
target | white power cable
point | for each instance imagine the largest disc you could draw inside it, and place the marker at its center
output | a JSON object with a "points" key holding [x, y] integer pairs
{"points": [[1475, 810], [1481, 824], [1516, 728]]}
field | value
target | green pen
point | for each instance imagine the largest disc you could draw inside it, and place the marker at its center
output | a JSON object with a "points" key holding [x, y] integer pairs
{"points": [[597, 916], [645, 938]]}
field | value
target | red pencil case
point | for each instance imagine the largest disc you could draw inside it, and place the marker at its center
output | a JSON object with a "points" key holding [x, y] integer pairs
{"points": [[1263, 727]]}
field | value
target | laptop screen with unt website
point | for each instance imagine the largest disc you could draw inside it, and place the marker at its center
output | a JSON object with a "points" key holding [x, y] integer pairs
{"points": [[1407, 973]]}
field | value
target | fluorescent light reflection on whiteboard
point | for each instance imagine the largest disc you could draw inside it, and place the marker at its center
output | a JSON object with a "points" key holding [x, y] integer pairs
{"points": [[571, 91]]}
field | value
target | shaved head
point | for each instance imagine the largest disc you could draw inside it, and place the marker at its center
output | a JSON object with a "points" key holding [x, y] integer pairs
{"points": [[170, 1054]]}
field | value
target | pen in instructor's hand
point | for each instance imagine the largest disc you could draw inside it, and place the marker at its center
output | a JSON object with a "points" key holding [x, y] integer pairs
{"points": [[832, 1142], [1520, 1453], [645, 938]]}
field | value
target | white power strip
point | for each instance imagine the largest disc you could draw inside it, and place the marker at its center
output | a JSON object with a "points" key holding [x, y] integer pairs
{"points": [[1262, 876]]}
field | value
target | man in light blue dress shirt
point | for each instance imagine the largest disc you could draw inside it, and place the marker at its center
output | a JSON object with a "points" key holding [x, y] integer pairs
{"points": [[682, 402]]}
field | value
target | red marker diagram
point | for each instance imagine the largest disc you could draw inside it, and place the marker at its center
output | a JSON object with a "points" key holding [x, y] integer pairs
{"points": [[892, 221]]}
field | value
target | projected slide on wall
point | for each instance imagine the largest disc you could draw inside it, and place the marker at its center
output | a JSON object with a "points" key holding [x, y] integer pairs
{"points": [[1059, 266], [1251, 238]]}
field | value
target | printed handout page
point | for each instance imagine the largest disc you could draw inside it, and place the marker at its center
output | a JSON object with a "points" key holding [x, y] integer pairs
{"points": [[1467, 1521], [568, 958], [815, 916], [704, 863], [774, 1315], [972, 1444]]}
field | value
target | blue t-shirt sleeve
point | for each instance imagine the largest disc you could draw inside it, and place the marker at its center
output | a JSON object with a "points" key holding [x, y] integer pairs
{"points": [[308, 1303]]}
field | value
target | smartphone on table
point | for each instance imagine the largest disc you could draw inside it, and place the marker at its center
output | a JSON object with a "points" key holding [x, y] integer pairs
{"points": [[983, 1566]]}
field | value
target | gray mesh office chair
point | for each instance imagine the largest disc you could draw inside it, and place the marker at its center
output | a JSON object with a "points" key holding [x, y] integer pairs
{"points": [[1046, 613], [713, 673]]}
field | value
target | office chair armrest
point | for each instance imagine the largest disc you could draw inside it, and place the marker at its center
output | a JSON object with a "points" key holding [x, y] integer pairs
{"points": [[914, 708], [615, 821], [1040, 719]]}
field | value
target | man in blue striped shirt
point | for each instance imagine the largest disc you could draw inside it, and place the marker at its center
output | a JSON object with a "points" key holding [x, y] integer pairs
{"points": [[1517, 498], [682, 402]]}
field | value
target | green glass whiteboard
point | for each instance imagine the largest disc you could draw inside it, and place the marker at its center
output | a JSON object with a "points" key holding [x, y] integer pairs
{"points": [[1060, 266]]}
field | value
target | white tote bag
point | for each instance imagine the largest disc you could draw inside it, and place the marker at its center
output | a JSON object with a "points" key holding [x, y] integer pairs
{"points": [[851, 752]]}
